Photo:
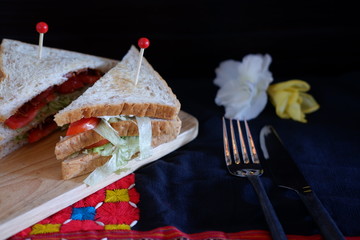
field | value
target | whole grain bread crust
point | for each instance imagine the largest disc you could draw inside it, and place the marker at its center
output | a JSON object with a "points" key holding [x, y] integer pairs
{"points": [[75, 143], [2, 72], [2, 77], [81, 165], [135, 109], [116, 94]]}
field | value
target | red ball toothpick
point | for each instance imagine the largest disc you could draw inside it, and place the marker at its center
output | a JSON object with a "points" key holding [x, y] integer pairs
{"points": [[143, 44], [42, 28]]}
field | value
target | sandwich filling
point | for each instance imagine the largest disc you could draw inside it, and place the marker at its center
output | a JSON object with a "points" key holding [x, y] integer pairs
{"points": [[42, 107], [120, 149]]}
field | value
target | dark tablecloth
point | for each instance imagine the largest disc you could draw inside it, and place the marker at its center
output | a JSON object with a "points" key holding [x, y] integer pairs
{"points": [[192, 190]]}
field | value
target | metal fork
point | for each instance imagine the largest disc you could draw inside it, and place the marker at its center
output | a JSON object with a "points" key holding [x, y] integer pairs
{"points": [[243, 167]]}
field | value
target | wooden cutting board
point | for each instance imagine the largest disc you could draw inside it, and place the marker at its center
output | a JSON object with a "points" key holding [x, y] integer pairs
{"points": [[31, 187]]}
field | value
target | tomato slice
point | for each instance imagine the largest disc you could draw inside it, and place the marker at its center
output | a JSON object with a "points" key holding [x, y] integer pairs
{"points": [[79, 80], [98, 144], [70, 85], [89, 77], [23, 117], [41, 131], [46, 96], [82, 125], [29, 110]]}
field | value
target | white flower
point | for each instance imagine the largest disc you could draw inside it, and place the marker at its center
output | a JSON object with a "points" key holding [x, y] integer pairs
{"points": [[243, 86]]}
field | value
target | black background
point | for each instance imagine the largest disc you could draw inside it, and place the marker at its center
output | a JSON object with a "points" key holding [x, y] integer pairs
{"points": [[190, 38]]}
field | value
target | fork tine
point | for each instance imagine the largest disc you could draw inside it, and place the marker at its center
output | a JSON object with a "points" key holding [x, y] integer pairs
{"points": [[234, 143], [227, 152], [242, 144], [253, 153], [226, 144]]}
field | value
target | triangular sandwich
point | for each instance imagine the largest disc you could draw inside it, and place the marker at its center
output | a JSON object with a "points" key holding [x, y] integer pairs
{"points": [[32, 90], [114, 120]]}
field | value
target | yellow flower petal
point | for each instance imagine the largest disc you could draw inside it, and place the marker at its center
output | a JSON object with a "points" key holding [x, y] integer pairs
{"points": [[309, 104], [280, 101], [294, 110], [295, 84], [291, 101]]}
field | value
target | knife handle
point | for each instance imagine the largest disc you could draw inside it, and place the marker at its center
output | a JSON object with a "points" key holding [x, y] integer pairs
{"points": [[327, 226], [276, 230]]}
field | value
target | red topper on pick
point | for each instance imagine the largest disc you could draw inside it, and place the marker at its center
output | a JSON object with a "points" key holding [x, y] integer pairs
{"points": [[42, 28], [143, 43]]}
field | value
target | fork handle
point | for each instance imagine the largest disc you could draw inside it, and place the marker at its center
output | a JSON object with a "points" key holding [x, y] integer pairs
{"points": [[276, 230]]}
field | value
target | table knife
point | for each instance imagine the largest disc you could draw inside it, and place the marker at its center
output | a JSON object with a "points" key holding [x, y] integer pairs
{"points": [[286, 174]]}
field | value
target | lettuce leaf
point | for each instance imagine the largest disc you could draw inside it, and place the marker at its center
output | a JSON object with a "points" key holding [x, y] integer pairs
{"points": [[60, 102], [121, 149], [121, 154], [145, 136]]}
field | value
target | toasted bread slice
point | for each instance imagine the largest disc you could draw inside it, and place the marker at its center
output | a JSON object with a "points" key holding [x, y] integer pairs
{"points": [[116, 94]]}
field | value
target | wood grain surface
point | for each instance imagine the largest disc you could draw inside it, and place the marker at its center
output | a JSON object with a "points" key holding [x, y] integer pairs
{"points": [[31, 187]]}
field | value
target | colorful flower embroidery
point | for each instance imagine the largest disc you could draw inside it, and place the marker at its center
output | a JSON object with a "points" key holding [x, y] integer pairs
{"points": [[111, 208]]}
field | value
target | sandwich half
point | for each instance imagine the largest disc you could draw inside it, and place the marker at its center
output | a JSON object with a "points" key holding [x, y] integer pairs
{"points": [[115, 120], [32, 90]]}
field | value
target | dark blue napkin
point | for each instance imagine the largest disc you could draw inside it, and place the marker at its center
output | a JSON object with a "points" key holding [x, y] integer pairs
{"points": [[191, 189]]}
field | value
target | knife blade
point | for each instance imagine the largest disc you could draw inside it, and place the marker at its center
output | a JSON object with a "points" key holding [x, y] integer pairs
{"points": [[286, 174]]}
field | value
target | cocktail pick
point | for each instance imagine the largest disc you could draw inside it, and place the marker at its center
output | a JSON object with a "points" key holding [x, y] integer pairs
{"points": [[42, 28], [143, 43]]}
